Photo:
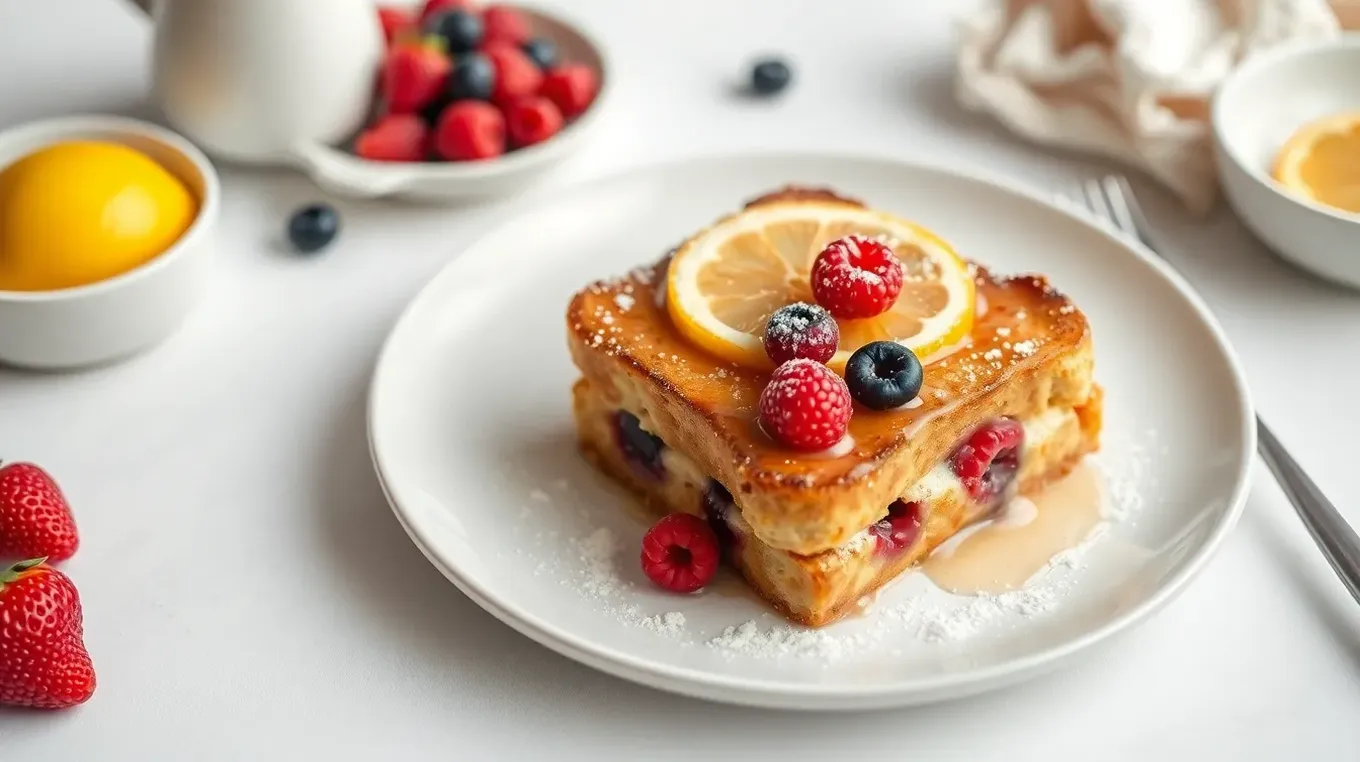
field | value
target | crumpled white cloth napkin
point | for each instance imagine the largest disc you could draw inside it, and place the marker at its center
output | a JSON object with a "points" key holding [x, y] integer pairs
{"points": [[1127, 79]]}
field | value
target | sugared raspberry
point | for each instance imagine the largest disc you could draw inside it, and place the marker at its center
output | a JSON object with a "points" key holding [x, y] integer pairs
{"points": [[988, 461], [532, 120], [572, 87], [806, 405], [856, 277], [801, 330], [900, 528], [680, 553], [470, 130]]}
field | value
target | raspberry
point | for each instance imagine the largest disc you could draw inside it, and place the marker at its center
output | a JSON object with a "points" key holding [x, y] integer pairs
{"points": [[505, 24], [433, 7], [517, 76], [900, 528], [856, 277], [806, 406], [532, 120], [801, 330], [988, 461], [470, 130], [680, 553], [572, 87], [397, 137]]}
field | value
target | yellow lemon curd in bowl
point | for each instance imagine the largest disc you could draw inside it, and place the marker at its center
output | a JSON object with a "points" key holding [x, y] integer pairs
{"points": [[80, 212]]}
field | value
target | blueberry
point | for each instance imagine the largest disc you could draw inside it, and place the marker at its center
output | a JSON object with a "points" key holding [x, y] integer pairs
{"points": [[640, 447], [542, 52], [718, 505], [801, 330], [313, 227], [770, 75], [461, 31], [883, 375], [472, 77]]}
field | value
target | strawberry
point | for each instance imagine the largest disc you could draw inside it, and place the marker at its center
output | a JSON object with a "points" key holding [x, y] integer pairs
{"points": [[433, 7], [396, 137], [43, 661], [35, 519], [516, 74], [395, 21], [505, 24], [414, 75]]}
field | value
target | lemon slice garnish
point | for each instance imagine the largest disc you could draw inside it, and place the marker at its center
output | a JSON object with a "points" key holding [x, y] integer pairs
{"points": [[723, 284], [1322, 162]]}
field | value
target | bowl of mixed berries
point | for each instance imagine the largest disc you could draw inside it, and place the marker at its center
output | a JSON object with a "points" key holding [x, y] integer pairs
{"points": [[471, 101]]}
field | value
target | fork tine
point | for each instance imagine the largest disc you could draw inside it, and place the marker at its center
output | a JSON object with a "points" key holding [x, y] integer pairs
{"points": [[1095, 199], [1120, 203], [1072, 197], [1139, 220]]}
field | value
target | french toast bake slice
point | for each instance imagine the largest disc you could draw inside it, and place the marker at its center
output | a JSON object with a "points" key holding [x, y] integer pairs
{"points": [[819, 588], [1029, 351], [814, 533]]}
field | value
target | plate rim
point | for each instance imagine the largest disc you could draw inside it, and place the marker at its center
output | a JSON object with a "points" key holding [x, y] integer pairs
{"points": [[763, 692]]}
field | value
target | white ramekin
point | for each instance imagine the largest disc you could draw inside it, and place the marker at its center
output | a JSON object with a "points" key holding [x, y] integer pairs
{"points": [[121, 316]]}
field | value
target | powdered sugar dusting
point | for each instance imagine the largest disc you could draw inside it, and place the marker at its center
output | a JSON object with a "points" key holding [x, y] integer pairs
{"points": [[598, 566], [597, 550], [957, 623], [670, 623]]}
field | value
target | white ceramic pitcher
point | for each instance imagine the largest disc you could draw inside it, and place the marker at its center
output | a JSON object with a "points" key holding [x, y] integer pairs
{"points": [[251, 80]]}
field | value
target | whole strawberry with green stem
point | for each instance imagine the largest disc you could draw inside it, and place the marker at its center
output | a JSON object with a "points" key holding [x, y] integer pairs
{"points": [[35, 519], [43, 661]]}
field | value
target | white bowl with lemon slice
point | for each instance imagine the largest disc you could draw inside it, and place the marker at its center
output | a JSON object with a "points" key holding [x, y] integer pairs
{"points": [[104, 238], [1287, 132]]}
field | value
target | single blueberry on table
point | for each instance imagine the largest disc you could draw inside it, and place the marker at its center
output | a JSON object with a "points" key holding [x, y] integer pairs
{"points": [[542, 51], [473, 76], [770, 76], [313, 227], [883, 375]]}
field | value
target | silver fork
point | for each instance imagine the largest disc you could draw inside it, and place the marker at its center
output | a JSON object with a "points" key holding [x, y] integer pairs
{"points": [[1111, 200]]}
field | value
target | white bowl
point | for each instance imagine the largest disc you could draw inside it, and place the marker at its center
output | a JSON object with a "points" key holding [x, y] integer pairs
{"points": [[337, 170], [1255, 111], [118, 317]]}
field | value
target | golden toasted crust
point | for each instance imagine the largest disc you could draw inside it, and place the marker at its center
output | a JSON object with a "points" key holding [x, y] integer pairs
{"points": [[1030, 350]]}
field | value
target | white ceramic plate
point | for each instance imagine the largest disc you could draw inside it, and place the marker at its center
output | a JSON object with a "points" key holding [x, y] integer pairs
{"points": [[471, 433]]}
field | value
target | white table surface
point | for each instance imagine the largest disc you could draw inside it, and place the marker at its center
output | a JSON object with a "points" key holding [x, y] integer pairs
{"points": [[248, 594]]}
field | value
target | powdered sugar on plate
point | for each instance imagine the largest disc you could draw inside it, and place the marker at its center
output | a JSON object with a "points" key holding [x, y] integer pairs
{"points": [[594, 567]]}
